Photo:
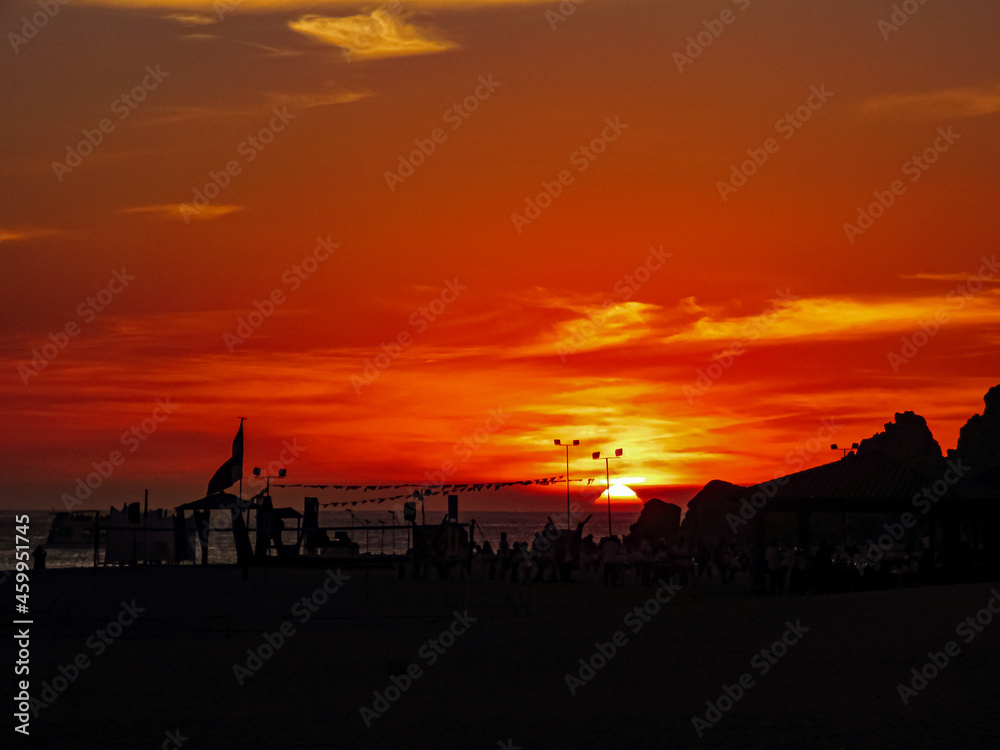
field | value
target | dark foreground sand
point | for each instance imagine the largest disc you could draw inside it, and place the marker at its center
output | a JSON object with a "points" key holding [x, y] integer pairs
{"points": [[503, 679]]}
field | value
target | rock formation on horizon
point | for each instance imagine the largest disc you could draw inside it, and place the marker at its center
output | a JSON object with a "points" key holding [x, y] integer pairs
{"points": [[658, 519], [979, 439], [706, 513], [907, 439]]}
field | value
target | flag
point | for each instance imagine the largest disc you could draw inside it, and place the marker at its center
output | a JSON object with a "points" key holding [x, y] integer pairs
{"points": [[232, 470]]}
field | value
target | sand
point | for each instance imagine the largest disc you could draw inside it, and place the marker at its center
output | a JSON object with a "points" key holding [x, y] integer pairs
{"points": [[503, 679]]}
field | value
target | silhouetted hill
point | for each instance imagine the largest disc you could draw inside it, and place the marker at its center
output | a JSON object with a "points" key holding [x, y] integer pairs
{"points": [[706, 514], [657, 520], [907, 439], [979, 439]]}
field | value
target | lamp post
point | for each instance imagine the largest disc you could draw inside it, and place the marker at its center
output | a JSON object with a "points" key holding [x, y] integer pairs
{"points": [[420, 494], [566, 446], [395, 522], [854, 447], [269, 477], [607, 475], [268, 514]]}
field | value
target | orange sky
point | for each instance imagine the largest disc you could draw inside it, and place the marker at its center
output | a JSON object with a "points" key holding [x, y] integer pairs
{"points": [[814, 313]]}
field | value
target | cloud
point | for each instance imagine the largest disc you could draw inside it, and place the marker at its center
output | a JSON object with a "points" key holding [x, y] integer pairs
{"points": [[213, 6], [942, 104], [307, 101], [379, 34], [922, 276], [304, 100], [15, 235], [838, 318], [173, 211], [191, 19]]}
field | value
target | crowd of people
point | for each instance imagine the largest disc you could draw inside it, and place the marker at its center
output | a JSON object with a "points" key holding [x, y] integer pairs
{"points": [[554, 555]]}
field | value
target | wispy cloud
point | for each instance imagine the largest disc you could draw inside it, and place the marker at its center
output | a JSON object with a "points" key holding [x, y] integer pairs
{"points": [[959, 276], [210, 6], [379, 34], [16, 235], [192, 19], [942, 104], [172, 211], [307, 101]]}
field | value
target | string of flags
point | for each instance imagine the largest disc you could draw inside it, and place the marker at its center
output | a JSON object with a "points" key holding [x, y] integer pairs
{"points": [[437, 489]]}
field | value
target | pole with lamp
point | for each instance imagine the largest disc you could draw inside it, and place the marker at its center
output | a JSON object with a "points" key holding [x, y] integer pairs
{"points": [[567, 447], [395, 523], [607, 475], [351, 513], [844, 452], [264, 534]]}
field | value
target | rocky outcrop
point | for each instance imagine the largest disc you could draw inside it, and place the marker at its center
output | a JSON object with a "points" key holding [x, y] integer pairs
{"points": [[907, 439], [979, 439], [706, 513], [656, 520]]}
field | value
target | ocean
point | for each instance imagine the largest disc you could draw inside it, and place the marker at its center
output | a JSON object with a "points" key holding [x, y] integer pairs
{"points": [[367, 532]]}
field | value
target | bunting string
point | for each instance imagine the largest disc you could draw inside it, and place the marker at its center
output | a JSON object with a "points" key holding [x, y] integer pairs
{"points": [[434, 489]]}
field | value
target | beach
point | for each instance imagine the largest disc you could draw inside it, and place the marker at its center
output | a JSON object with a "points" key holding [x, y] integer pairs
{"points": [[315, 658]]}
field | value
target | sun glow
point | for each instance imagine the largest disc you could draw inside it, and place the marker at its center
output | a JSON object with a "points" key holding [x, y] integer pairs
{"points": [[620, 492]]}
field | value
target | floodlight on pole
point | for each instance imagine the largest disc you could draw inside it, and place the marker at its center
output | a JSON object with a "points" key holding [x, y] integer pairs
{"points": [[280, 475], [567, 447], [854, 447], [607, 474]]}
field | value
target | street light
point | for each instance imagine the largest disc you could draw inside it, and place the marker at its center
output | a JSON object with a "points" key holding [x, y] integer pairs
{"points": [[607, 475], [395, 522], [269, 477], [566, 446], [854, 447]]}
